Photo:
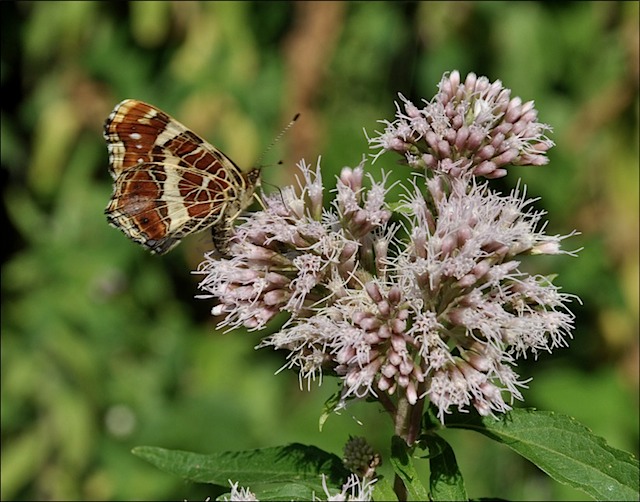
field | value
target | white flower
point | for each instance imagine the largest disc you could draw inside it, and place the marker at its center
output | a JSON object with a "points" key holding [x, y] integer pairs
{"points": [[467, 127], [355, 489], [239, 494]]}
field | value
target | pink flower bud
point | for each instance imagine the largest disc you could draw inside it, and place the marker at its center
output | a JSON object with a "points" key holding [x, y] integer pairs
{"points": [[444, 148], [412, 395], [276, 297], [374, 291], [389, 370], [384, 384], [486, 152], [394, 358], [384, 308], [506, 157], [370, 323], [467, 281], [448, 244], [461, 138], [398, 325], [485, 167], [384, 332], [395, 295], [475, 140], [432, 140]]}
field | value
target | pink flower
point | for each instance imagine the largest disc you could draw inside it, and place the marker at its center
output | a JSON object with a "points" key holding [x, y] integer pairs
{"points": [[467, 127], [434, 305]]}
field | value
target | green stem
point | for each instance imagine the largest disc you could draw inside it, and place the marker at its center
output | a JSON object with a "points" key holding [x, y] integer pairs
{"points": [[403, 411], [408, 418], [387, 403], [407, 425], [415, 418], [401, 418]]}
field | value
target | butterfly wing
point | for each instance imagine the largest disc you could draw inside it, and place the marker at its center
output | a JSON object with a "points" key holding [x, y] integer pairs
{"points": [[168, 182]]}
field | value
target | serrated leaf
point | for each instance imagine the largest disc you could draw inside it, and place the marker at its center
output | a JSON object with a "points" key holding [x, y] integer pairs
{"points": [[403, 466], [265, 471], [563, 448], [445, 481]]}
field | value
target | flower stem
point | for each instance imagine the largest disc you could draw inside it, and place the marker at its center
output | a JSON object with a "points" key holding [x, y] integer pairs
{"points": [[400, 420], [408, 419], [407, 424]]}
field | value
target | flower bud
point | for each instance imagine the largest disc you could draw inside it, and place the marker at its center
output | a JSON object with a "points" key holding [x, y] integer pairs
{"points": [[374, 291]]}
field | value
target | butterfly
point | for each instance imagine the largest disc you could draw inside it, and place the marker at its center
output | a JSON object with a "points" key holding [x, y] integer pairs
{"points": [[169, 182]]}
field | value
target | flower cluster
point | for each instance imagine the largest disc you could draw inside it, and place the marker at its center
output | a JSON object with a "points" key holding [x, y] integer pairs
{"points": [[431, 305], [473, 126], [360, 457], [294, 255], [354, 489], [239, 494]]}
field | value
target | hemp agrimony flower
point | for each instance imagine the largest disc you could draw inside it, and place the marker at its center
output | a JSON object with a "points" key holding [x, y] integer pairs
{"points": [[432, 305], [354, 489], [472, 126], [239, 494]]}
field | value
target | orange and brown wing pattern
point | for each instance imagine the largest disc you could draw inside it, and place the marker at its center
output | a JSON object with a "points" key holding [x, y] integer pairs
{"points": [[168, 182]]}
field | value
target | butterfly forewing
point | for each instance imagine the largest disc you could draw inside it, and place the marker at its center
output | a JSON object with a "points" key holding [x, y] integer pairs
{"points": [[168, 181]]}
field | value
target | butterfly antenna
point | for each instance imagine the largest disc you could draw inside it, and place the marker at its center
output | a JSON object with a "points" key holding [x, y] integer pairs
{"points": [[278, 137]]}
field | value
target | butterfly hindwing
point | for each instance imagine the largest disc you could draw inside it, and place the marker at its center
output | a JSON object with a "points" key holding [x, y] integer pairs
{"points": [[168, 182]]}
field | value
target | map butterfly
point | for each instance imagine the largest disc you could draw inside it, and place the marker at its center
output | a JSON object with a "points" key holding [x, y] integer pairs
{"points": [[168, 182]]}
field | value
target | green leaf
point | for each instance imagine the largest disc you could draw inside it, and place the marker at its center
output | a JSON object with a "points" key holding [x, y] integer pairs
{"points": [[445, 481], [399, 207], [294, 468], [329, 408], [383, 490], [287, 491], [563, 448], [403, 467]]}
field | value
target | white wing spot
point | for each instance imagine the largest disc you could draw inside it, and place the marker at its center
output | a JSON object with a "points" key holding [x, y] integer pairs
{"points": [[135, 136]]}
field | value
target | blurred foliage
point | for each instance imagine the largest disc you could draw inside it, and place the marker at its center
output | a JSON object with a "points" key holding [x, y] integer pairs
{"points": [[104, 346]]}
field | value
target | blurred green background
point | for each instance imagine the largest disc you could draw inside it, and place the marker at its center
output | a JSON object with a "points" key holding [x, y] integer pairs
{"points": [[104, 346]]}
